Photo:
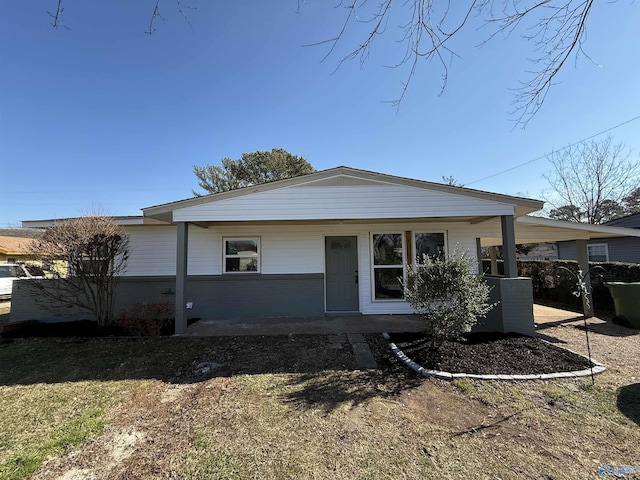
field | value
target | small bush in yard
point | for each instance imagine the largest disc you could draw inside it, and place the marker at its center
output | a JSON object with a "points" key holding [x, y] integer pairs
{"points": [[147, 319], [448, 296]]}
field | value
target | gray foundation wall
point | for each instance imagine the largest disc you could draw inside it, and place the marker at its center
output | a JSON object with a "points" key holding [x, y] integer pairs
{"points": [[213, 297], [514, 312]]}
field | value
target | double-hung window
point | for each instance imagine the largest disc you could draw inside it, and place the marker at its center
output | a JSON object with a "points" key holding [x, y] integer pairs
{"points": [[598, 252], [390, 254], [388, 265], [241, 255]]}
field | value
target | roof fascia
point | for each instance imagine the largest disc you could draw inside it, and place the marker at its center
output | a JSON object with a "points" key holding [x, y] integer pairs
{"points": [[582, 227], [122, 221]]}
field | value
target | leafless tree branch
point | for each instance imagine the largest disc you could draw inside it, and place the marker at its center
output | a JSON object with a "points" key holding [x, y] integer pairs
{"points": [[558, 32], [56, 16]]}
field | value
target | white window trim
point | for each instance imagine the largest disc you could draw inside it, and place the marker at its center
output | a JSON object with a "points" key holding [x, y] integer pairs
{"points": [[374, 266], [606, 251], [225, 256]]}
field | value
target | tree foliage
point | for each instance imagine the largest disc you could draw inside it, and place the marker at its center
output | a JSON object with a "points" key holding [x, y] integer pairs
{"points": [[252, 169], [593, 182], [95, 252], [632, 202], [448, 295]]}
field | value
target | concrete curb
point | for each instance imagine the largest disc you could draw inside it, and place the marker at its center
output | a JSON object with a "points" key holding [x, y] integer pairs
{"points": [[597, 368]]}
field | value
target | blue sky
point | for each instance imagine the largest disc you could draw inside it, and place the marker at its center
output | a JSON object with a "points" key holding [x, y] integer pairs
{"points": [[105, 117]]}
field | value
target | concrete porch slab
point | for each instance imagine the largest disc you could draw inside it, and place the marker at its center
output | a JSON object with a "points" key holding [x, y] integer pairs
{"points": [[302, 326], [343, 324]]}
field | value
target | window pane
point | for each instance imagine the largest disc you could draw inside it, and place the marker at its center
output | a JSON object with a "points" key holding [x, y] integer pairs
{"points": [[431, 244], [597, 253], [242, 247], [6, 272], [387, 283], [387, 249], [241, 265]]}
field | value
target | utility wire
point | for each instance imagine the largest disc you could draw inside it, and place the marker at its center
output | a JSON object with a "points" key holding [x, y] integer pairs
{"points": [[546, 155]]}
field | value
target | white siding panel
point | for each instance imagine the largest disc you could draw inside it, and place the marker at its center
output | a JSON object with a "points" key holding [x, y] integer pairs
{"points": [[153, 251], [205, 252], [342, 202], [292, 252]]}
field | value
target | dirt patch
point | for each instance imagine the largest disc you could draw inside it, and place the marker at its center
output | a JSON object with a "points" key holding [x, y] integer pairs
{"points": [[490, 354], [437, 404], [617, 347], [299, 408]]}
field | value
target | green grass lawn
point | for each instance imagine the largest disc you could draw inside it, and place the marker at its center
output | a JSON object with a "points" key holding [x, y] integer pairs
{"points": [[295, 407]]}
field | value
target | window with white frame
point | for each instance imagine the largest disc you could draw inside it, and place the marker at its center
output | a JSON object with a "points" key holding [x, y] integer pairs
{"points": [[241, 255], [388, 265], [598, 252], [430, 244], [390, 253]]}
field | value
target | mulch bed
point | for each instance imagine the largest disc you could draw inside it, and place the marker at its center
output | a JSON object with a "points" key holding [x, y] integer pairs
{"points": [[489, 354]]}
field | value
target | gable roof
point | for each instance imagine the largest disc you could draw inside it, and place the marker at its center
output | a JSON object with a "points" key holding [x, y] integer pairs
{"points": [[343, 176]]}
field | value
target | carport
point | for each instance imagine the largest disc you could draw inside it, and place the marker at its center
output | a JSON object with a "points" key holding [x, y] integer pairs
{"points": [[529, 229]]}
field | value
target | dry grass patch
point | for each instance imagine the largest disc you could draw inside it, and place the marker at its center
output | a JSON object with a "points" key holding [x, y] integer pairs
{"points": [[297, 407]]}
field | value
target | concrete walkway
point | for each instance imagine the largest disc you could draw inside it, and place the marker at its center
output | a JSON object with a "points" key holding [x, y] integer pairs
{"points": [[545, 317]]}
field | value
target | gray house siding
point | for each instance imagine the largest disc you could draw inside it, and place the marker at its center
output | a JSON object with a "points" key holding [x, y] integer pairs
{"points": [[514, 309], [215, 297], [621, 249]]}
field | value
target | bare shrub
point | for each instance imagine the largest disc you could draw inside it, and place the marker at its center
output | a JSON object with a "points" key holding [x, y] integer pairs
{"points": [[147, 319]]}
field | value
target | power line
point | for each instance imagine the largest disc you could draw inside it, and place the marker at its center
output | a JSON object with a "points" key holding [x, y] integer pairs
{"points": [[546, 155]]}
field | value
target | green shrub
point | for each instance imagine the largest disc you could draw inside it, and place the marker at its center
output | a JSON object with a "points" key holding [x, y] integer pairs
{"points": [[147, 319], [448, 296], [550, 282]]}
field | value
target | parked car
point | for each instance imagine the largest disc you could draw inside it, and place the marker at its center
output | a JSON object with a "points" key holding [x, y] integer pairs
{"points": [[12, 272]]}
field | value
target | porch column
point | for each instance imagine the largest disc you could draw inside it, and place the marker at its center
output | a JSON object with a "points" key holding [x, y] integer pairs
{"points": [[509, 246], [493, 255], [181, 277], [583, 263], [479, 256]]}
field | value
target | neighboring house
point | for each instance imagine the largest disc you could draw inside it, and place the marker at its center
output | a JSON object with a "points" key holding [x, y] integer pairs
{"points": [[14, 249], [334, 242], [612, 249]]}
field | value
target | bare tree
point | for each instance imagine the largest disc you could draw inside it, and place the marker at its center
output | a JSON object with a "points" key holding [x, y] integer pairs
{"points": [[590, 181], [450, 180], [56, 15], [91, 253], [556, 28]]}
